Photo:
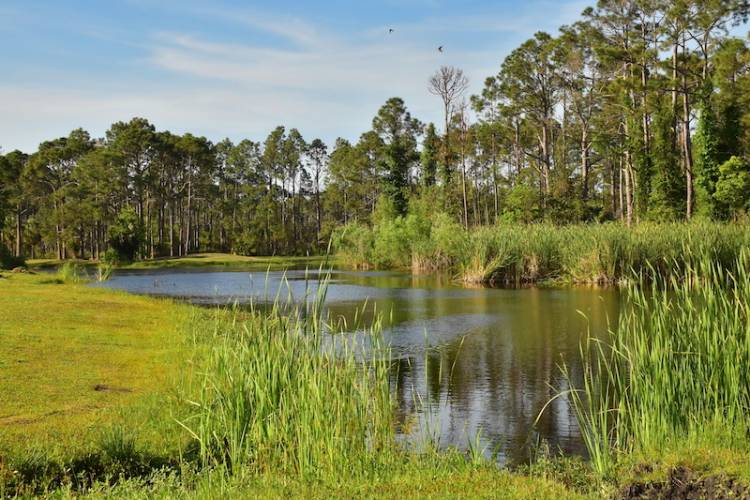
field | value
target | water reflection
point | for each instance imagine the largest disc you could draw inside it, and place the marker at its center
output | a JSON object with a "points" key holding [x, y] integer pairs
{"points": [[465, 360]]}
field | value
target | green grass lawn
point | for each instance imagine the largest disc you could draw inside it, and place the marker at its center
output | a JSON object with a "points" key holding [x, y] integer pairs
{"points": [[71, 355], [205, 260]]}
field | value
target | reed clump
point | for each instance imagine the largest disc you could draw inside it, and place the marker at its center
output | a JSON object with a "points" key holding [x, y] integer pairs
{"points": [[677, 365], [70, 272], [279, 394], [604, 254]]}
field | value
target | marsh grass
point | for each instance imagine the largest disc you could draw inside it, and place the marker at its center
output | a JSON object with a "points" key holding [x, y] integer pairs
{"points": [[515, 254], [70, 272], [276, 396], [676, 366]]}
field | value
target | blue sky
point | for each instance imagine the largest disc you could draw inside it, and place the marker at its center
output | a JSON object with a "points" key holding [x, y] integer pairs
{"points": [[237, 68]]}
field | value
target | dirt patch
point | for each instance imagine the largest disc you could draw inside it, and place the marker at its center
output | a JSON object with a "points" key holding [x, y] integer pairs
{"points": [[683, 483], [109, 388]]}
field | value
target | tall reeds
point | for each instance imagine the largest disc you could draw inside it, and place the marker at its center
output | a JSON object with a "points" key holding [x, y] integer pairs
{"points": [[512, 254], [280, 393], [678, 363]]}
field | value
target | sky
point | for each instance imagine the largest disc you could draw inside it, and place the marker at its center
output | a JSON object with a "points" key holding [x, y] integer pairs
{"points": [[237, 69]]}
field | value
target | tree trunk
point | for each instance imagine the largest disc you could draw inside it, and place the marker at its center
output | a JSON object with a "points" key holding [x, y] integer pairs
{"points": [[19, 243], [188, 226], [463, 189], [495, 194], [171, 228], [545, 159], [628, 189], [318, 213], [584, 164], [446, 146], [688, 153], [686, 143]]}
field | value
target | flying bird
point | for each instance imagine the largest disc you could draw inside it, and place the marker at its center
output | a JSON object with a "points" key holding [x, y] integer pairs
{"points": [[390, 30], [440, 49]]}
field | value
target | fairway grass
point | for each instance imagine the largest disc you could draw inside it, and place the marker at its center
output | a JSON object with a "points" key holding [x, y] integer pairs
{"points": [[72, 355]]}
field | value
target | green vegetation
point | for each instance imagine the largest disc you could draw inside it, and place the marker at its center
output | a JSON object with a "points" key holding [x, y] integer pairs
{"points": [[228, 260], [126, 396], [193, 261], [633, 113], [675, 370], [72, 358], [110, 394], [273, 398], [125, 237], [579, 164], [8, 260], [513, 253]]}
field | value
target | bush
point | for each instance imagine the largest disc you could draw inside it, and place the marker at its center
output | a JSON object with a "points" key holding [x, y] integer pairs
{"points": [[8, 260], [126, 235], [354, 245]]}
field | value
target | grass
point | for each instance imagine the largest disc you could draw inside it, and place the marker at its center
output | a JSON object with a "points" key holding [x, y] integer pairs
{"points": [[113, 395], [59, 342], [84, 374], [424, 478], [676, 369], [275, 395], [198, 260], [514, 254]]}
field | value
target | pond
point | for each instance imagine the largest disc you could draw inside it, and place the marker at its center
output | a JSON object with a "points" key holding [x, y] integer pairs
{"points": [[467, 361]]}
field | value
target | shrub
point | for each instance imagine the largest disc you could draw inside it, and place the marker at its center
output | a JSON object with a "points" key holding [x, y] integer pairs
{"points": [[733, 187], [8, 260], [354, 245], [126, 234]]}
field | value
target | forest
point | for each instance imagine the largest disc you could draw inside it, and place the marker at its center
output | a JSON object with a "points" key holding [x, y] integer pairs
{"points": [[637, 112]]}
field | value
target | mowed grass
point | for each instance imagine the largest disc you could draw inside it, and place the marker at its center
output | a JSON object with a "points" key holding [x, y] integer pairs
{"points": [[205, 260], [71, 356]]}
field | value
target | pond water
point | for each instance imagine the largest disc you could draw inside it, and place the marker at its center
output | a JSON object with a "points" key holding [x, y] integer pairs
{"points": [[466, 360]]}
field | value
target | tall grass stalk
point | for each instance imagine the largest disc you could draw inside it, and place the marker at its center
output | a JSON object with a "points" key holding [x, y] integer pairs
{"points": [[70, 272], [677, 364], [278, 396]]}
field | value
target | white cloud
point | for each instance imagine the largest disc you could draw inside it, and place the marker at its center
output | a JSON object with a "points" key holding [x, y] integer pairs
{"points": [[325, 85]]}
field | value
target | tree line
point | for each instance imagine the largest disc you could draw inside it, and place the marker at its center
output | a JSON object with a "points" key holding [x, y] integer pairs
{"points": [[638, 111]]}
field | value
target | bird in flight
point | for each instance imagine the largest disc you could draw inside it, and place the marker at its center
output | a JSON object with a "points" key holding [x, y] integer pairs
{"points": [[390, 30], [440, 49]]}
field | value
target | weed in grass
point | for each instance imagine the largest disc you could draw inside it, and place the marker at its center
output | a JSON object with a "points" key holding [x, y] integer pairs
{"points": [[70, 272]]}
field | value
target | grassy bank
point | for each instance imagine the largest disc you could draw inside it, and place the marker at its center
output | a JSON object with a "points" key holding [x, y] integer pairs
{"points": [[111, 395], [71, 354], [514, 254], [674, 374], [108, 394], [200, 260]]}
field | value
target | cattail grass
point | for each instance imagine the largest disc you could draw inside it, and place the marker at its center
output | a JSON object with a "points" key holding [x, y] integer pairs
{"points": [[602, 254], [678, 363], [281, 394]]}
